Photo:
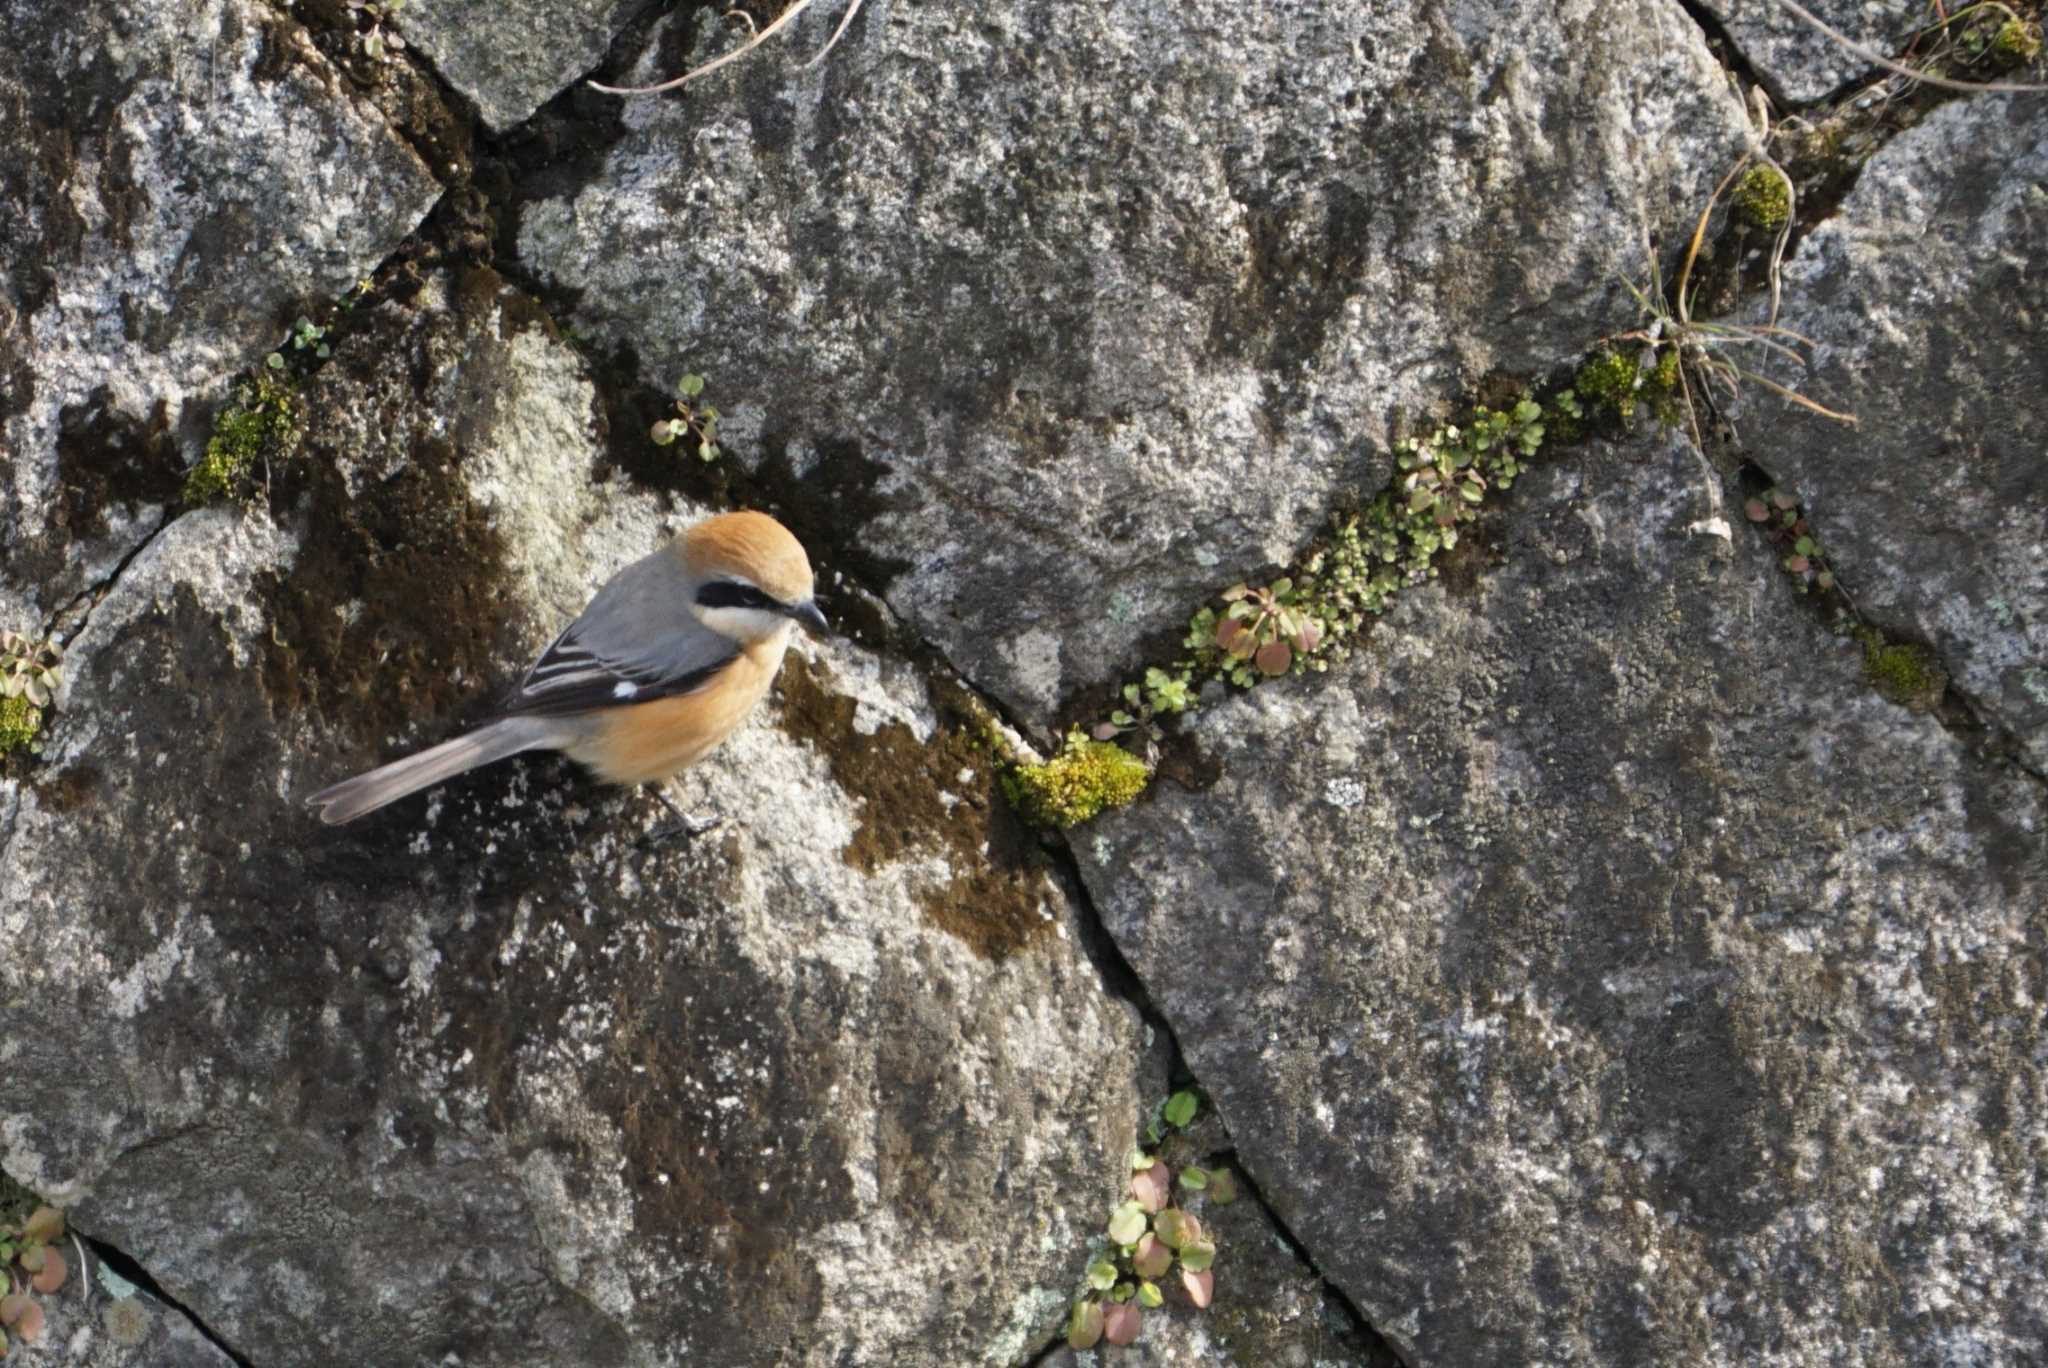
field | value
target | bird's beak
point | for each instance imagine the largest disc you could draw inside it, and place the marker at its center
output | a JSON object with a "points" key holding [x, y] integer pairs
{"points": [[807, 613]]}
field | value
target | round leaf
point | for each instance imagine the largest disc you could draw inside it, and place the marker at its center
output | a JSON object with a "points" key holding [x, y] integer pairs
{"points": [[13, 1307], [1084, 1327], [1170, 1226], [1222, 1187], [1274, 657], [1151, 1188], [1198, 1256], [31, 1327], [1201, 1287], [1152, 1258], [1192, 1177], [1149, 1295], [690, 386], [1127, 1224], [52, 1275], [1120, 1323], [1102, 1275]]}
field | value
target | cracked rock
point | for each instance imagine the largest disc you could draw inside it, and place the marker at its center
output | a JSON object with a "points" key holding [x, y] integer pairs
{"points": [[1595, 969], [179, 182], [488, 1076], [1927, 300], [1066, 316]]}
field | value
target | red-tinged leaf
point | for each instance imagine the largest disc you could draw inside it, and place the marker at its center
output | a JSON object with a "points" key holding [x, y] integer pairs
{"points": [[1222, 1187], [53, 1274], [1756, 511], [1783, 499], [1274, 657], [31, 1327], [32, 1258], [1201, 1287], [1105, 731], [1310, 636], [1084, 1327], [1151, 1187], [1120, 1322], [13, 1307], [1152, 1259], [1228, 631], [1798, 565], [1825, 580]]}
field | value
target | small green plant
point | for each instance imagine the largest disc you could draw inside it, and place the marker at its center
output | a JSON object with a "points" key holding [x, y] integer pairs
{"points": [[376, 41], [1085, 778], [1262, 629], [1778, 513], [20, 720], [30, 668], [264, 423], [305, 337], [1153, 1231], [35, 1267], [1162, 694], [698, 422]]}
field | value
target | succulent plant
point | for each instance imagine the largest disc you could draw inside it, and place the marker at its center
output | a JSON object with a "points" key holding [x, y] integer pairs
{"points": [[1148, 1236], [29, 669], [698, 422], [34, 1267], [1784, 522], [1265, 628]]}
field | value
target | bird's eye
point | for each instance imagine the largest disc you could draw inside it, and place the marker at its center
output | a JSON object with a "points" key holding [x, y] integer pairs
{"points": [[727, 594]]}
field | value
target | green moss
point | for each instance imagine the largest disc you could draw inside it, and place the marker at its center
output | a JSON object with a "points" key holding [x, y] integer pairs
{"points": [[266, 421], [20, 720], [1081, 781], [1902, 673], [2018, 38], [1763, 198], [1608, 381]]}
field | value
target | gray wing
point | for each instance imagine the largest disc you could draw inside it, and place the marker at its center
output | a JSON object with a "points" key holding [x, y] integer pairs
{"points": [[637, 641]]}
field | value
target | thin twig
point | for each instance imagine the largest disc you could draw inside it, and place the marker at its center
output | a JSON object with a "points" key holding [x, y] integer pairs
{"points": [[782, 21], [1871, 54]]}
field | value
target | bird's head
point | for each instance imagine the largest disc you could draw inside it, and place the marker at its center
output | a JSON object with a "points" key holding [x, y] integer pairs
{"points": [[750, 578]]}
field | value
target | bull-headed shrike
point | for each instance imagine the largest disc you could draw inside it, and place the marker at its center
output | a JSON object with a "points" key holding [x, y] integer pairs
{"points": [[669, 657]]}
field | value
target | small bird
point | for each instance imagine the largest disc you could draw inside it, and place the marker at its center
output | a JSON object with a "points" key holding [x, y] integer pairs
{"points": [[671, 655]]}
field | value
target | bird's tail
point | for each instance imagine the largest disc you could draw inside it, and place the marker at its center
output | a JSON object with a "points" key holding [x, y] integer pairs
{"points": [[351, 798]]}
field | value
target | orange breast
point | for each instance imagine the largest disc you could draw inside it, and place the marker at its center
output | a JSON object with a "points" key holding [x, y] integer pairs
{"points": [[644, 742]]}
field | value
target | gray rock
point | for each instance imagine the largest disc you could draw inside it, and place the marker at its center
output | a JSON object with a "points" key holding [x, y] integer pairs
{"points": [[511, 58], [1596, 970], [1070, 316], [98, 1319], [181, 182], [1925, 294], [489, 1075], [1797, 60]]}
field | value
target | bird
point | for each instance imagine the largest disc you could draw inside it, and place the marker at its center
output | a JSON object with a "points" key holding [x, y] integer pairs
{"points": [[668, 658]]}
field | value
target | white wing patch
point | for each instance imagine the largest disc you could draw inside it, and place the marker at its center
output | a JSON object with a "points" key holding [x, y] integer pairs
{"points": [[625, 688]]}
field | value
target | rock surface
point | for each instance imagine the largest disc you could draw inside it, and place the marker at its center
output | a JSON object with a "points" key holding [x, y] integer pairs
{"points": [[490, 1075], [1071, 317], [508, 59], [1926, 296], [182, 181], [1596, 970], [1800, 63]]}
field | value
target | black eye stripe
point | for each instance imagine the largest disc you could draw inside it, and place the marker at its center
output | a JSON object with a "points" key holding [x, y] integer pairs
{"points": [[726, 594]]}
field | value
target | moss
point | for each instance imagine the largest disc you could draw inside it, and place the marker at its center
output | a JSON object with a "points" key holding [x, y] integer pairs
{"points": [[265, 422], [1078, 783], [2018, 38], [20, 720], [1763, 198], [1608, 381], [1903, 673], [925, 796]]}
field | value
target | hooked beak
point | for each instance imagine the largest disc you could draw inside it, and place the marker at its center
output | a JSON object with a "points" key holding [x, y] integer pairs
{"points": [[807, 613]]}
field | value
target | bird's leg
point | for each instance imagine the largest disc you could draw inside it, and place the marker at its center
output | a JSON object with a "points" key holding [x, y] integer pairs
{"points": [[685, 825]]}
